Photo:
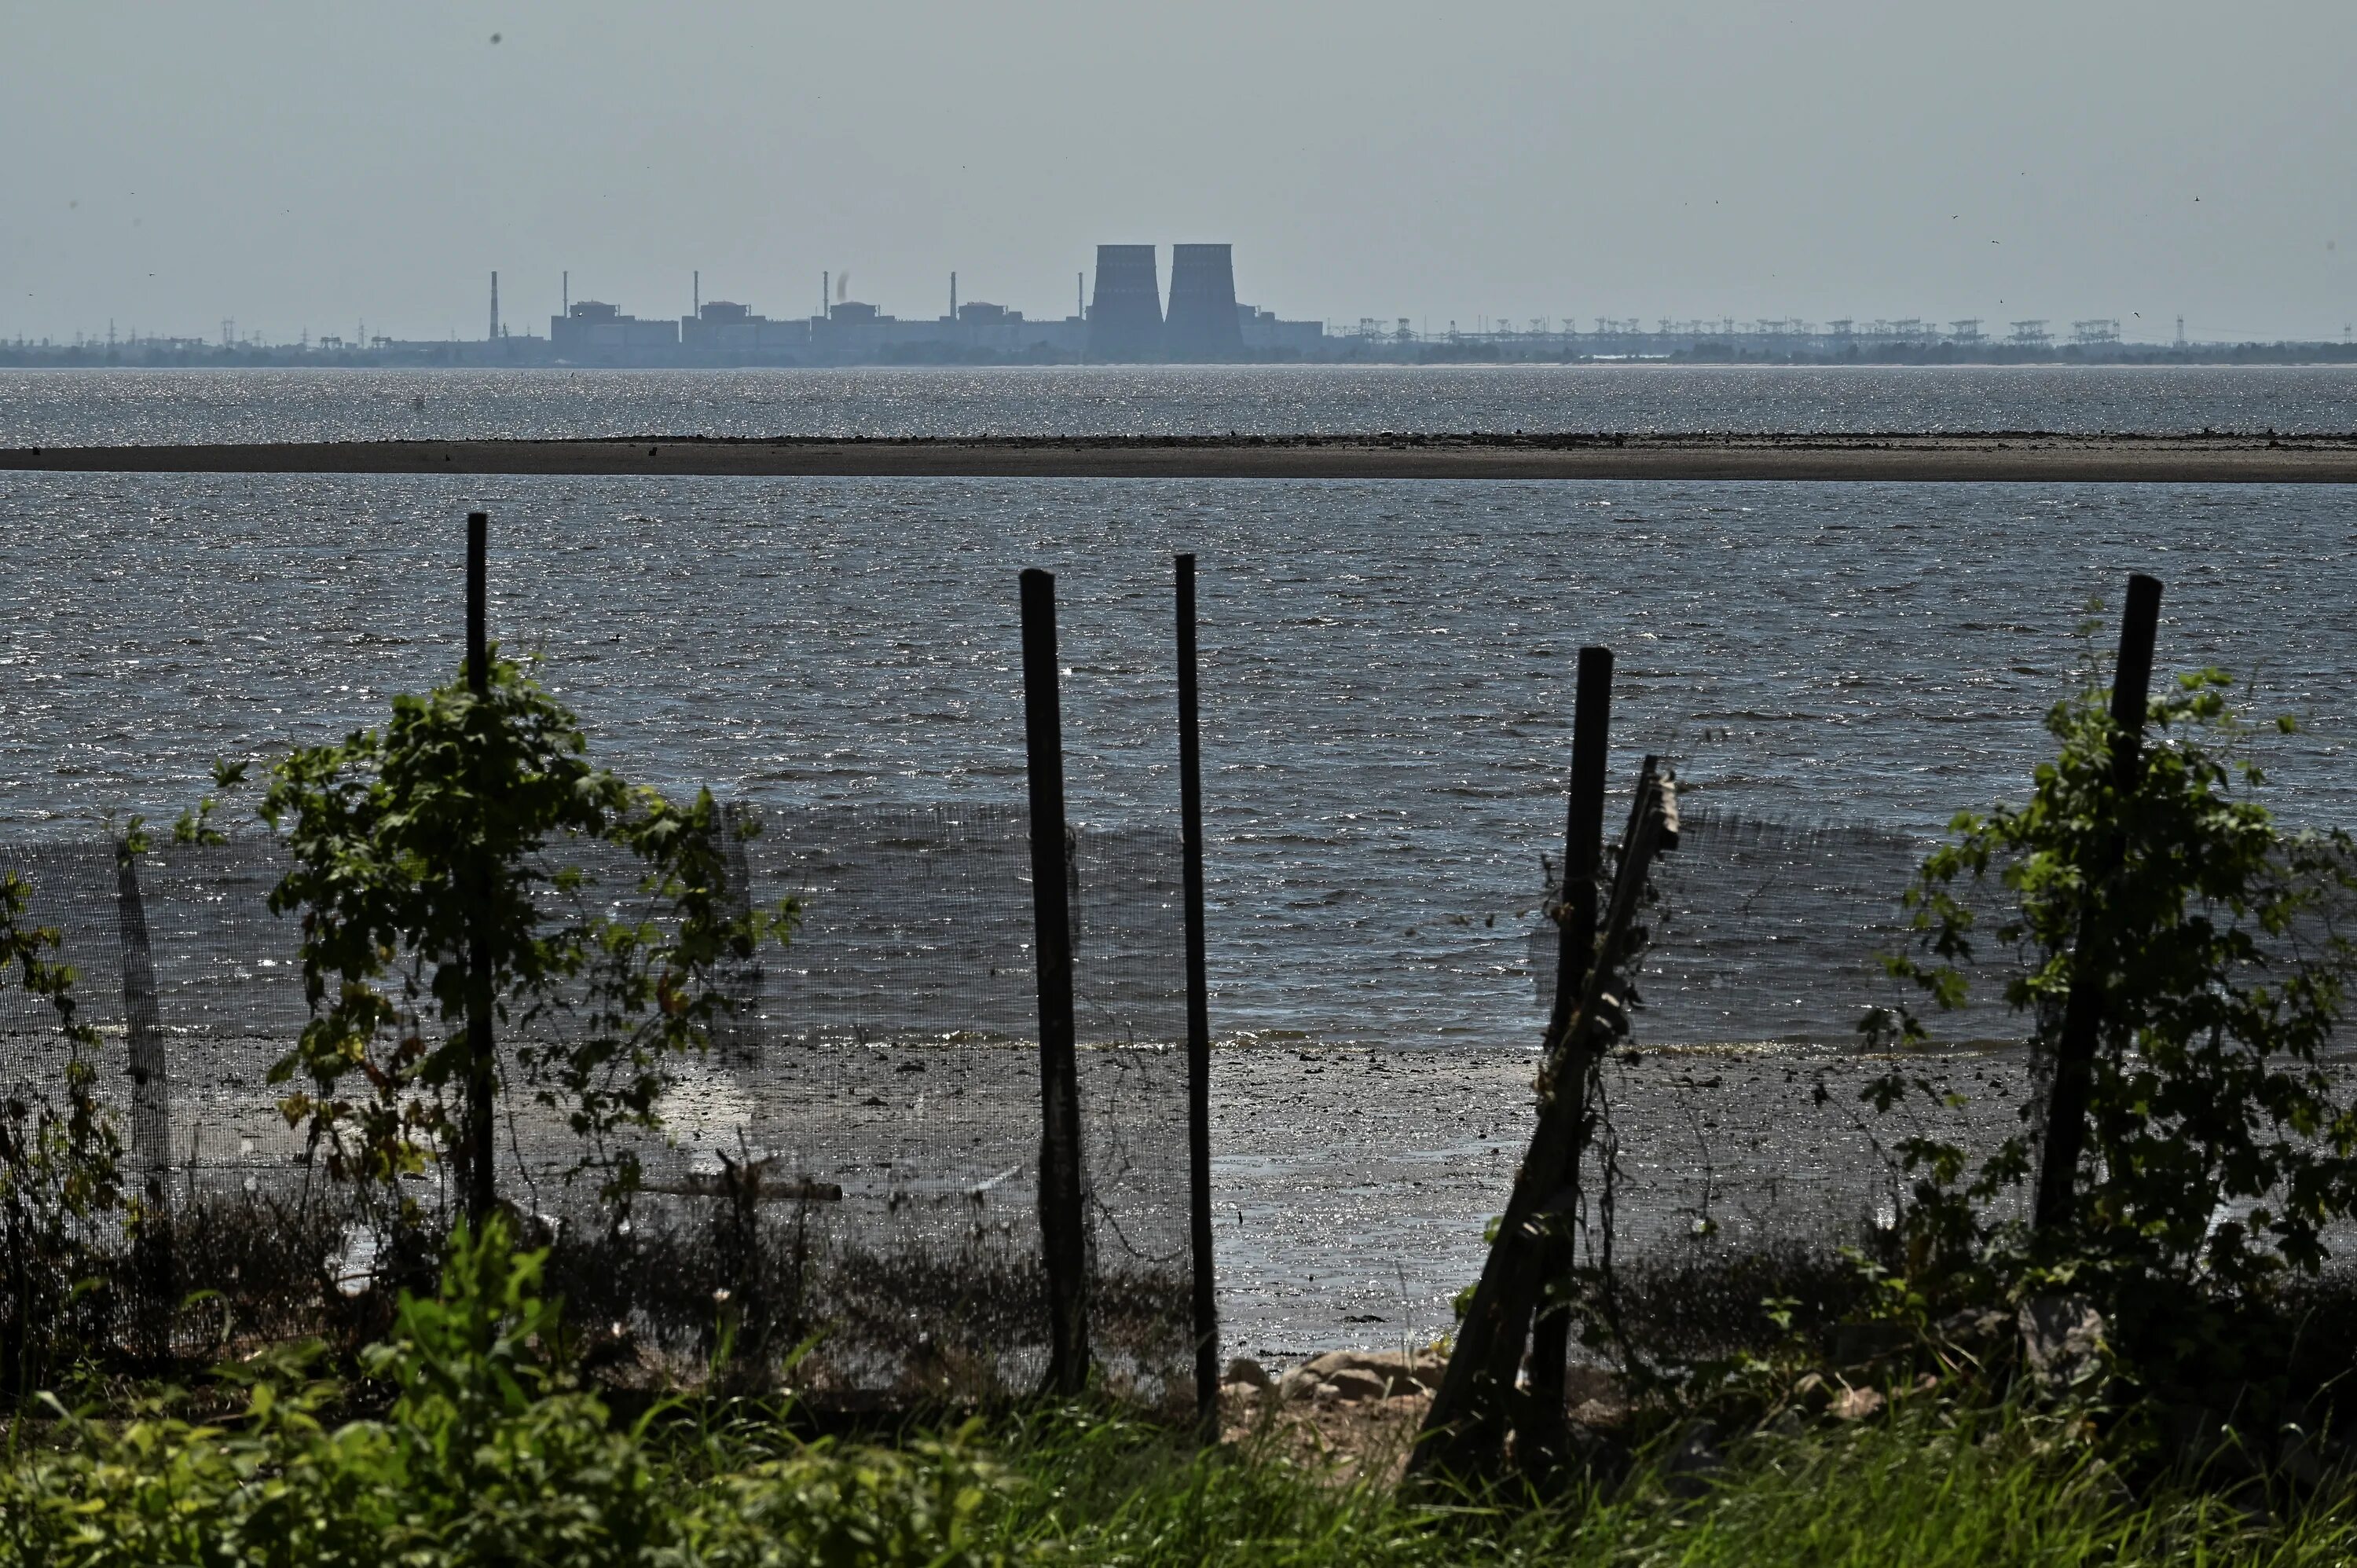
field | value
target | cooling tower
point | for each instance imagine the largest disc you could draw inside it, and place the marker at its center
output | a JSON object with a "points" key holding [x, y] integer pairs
{"points": [[1204, 324], [1125, 319]]}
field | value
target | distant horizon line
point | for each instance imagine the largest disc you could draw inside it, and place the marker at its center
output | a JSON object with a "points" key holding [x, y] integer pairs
{"points": [[1876, 331]]}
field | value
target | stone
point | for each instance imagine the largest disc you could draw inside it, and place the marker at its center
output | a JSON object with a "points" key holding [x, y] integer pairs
{"points": [[1352, 1384], [1972, 1327], [2061, 1339], [1694, 1460], [1297, 1384], [1601, 1455], [1245, 1370], [1399, 1373], [1583, 1384]]}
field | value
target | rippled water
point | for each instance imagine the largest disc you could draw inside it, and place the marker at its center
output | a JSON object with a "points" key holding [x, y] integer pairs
{"points": [[82, 407], [1387, 666]]}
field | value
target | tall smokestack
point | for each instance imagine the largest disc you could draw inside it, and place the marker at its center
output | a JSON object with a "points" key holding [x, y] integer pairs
{"points": [[568, 292], [696, 293], [825, 294], [495, 306], [953, 299]]}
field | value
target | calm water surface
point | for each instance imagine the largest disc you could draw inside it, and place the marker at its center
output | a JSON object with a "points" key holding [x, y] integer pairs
{"points": [[1388, 666], [94, 407]]}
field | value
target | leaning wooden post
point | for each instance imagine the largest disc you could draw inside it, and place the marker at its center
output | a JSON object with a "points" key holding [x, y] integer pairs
{"points": [[1574, 914], [2083, 1011], [1471, 1411], [151, 1107], [1199, 1021], [481, 1079], [1062, 1220]]}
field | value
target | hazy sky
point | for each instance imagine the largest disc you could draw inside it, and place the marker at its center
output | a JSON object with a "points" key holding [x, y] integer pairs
{"points": [[305, 165]]}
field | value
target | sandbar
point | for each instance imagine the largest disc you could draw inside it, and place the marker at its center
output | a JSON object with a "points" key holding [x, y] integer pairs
{"points": [[1985, 458]]}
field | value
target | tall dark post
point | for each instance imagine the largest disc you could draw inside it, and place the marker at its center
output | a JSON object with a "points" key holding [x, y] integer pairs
{"points": [[1583, 862], [1199, 1020], [151, 1107], [1063, 1223], [480, 1080], [151, 1097], [2082, 1012]]}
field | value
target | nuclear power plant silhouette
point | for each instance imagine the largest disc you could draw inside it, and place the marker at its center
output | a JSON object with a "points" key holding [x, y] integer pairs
{"points": [[1203, 323], [1126, 317]]}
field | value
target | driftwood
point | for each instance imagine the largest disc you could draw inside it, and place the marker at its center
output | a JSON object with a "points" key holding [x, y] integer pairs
{"points": [[1465, 1433]]}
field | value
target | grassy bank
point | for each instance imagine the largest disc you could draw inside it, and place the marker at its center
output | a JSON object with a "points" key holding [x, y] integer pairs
{"points": [[466, 1438], [727, 1487], [1924, 1487], [469, 1433]]}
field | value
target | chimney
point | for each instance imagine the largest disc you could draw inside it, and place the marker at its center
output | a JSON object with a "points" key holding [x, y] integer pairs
{"points": [[953, 299], [495, 306], [696, 293]]}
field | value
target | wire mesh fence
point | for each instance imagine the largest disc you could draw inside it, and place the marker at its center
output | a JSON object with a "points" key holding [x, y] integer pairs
{"points": [[1771, 932], [855, 1160], [1735, 1123]]}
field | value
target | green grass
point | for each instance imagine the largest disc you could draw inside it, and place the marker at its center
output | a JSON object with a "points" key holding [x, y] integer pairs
{"points": [[1998, 1491], [467, 1446], [714, 1489]]}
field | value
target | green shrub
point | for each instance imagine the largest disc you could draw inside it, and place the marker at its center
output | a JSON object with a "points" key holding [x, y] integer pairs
{"points": [[2217, 940], [445, 831], [487, 1455], [60, 1169]]}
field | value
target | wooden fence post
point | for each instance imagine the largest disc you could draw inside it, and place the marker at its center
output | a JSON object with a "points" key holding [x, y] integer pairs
{"points": [[2083, 1011], [482, 1065], [151, 1107], [1583, 861], [1464, 1431], [1199, 1021], [1062, 1217]]}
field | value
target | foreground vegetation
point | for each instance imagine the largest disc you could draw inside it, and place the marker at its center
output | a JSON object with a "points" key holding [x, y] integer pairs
{"points": [[468, 1441], [2118, 1344]]}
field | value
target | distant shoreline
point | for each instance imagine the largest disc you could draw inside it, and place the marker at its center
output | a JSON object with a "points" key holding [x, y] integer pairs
{"points": [[1637, 351], [1992, 458]]}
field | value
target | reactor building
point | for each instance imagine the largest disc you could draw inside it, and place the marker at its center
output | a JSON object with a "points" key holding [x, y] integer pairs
{"points": [[1124, 322], [1204, 325]]}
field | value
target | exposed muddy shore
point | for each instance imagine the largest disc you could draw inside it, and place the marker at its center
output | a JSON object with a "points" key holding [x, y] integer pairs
{"points": [[1351, 1186], [1999, 456]]}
